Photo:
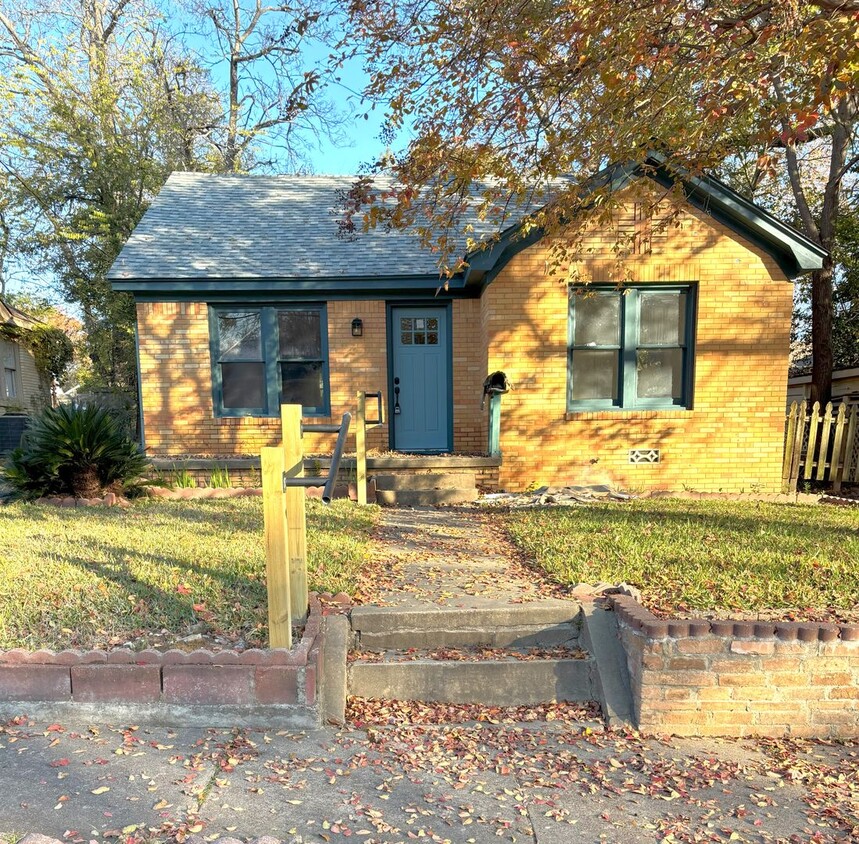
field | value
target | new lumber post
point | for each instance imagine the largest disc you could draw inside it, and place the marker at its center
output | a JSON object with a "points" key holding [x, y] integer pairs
{"points": [[361, 448], [276, 556], [296, 521]]}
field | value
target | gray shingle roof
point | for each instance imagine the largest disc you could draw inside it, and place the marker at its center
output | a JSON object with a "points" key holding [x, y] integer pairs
{"points": [[204, 226], [203, 230]]}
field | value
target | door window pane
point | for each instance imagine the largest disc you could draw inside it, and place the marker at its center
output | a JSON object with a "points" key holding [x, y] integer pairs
{"points": [[406, 338], [662, 319], [597, 320], [594, 374], [240, 336], [302, 383], [300, 333], [243, 385], [660, 373]]}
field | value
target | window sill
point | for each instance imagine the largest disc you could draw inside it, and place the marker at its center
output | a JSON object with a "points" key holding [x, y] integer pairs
{"points": [[620, 413]]}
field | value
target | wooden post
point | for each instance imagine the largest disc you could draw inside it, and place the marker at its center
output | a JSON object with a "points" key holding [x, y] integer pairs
{"points": [[788, 447], [813, 428], [797, 447], [836, 473], [361, 448], [276, 560], [296, 520], [824, 443]]}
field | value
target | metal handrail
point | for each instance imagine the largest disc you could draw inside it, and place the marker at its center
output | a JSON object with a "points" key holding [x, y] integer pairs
{"points": [[342, 430]]}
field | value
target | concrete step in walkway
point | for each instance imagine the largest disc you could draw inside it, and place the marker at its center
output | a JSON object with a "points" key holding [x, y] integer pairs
{"points": [[452, 579], [537, 624], [495, 677], [427, 490]]}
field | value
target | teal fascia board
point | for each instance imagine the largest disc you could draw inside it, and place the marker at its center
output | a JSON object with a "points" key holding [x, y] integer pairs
{"points": [[795, 253], [233, 289]]}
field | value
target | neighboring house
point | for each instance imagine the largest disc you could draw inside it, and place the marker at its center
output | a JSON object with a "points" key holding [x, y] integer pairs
{"points": [[845, 387], [246, 297], [21, 388]]}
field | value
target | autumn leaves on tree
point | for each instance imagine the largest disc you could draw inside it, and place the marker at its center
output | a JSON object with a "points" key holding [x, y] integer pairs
{"points": [[518, 95]]}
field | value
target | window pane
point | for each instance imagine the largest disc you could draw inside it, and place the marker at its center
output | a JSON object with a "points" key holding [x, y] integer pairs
{"points": [[597, 319], [300, 334], [8, 355], [239, 335], [302, 383], [432, 338], [662, 319], [406, 338], [420, 338], [11, 388], [243, 384], [405, 324], [594, 374], [660, 373], [432, 324]]}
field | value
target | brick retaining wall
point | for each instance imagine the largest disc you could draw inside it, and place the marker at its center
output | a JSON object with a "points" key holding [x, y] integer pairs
{"points": [[735, 678], [264, 684]]}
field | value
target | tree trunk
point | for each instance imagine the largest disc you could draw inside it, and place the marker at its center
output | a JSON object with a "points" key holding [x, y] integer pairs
{"points": [[821, 332], [85, 482], [231, 153]]}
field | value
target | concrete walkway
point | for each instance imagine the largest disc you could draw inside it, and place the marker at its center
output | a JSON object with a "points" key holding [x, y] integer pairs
{"points": [[454, 556], [545, 785]]}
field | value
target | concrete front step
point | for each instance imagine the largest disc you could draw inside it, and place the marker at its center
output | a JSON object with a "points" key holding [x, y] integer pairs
{"points": [[487, 682], [425, 497], [538, 624], [447, 480]]}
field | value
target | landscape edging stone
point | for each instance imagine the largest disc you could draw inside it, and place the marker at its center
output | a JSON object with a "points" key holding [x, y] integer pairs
{"points": [[287, 679]]}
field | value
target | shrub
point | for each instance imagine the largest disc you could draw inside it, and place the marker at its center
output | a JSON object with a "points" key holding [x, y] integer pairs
{"points": [[78, 451]]}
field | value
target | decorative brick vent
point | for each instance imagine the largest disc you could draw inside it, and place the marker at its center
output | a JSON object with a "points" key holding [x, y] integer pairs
{"points": [[736, 678], [645, 455], [265, 683]]}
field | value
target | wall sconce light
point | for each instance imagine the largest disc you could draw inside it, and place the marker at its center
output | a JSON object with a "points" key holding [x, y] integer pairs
{"points": [[357, 327]]}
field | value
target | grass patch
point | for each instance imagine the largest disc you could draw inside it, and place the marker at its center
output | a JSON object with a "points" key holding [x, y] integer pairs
{"points": [[703, 555], [88, 577]]}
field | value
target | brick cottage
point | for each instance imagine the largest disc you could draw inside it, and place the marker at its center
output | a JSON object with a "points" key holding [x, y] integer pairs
{"points": [[247, 297]]}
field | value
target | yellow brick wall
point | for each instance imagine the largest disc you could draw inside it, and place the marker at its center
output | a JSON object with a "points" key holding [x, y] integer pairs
{"points": [[730, 440], [176, 383]]}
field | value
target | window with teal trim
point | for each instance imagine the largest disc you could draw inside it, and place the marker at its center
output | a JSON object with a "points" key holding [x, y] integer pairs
{"points": [[630, 348], [265, 357]]}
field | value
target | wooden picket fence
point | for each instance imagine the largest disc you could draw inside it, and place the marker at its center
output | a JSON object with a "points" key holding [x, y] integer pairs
{"points": [[821, 447]]}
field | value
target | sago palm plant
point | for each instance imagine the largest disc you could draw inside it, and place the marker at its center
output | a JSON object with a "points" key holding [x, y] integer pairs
{"points": [[73, 451]]}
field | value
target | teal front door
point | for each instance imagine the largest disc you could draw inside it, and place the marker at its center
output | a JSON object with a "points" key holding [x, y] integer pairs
{"points": [[420, 379]]}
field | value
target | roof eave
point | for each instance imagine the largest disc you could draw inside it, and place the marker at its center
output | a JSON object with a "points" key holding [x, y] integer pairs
{"points": [[208, 288]]}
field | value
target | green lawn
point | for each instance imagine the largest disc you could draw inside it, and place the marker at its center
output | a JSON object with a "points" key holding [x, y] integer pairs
{"points": [[94, 576], [704, 555]]}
